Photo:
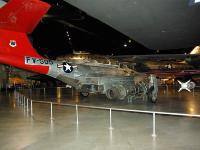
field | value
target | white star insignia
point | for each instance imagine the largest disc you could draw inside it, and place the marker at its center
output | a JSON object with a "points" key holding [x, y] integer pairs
{"points": [[67, 67]]}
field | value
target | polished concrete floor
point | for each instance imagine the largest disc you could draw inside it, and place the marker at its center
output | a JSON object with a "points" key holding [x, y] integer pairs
{"points": [[131, 131]]}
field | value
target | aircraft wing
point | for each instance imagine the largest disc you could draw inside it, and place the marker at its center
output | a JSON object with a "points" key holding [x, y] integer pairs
{"points": [[166, 65], [157, 24], [159, 57], [175, 73]]}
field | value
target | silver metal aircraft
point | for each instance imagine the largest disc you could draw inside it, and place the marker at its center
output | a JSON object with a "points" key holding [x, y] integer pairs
{"points": [[103, 75]]}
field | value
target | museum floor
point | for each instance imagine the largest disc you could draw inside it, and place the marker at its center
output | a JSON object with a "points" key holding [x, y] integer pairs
{"points": [[131, 131]]}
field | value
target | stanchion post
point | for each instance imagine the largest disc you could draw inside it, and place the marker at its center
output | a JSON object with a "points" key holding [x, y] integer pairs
{"points": [[27, 105], [30, 92], [167, 88], [14, 92], [20, 100], [44, 94], [51, 111], [31, 108], [110, 119], [77, 114], [24, 102], [17, 98], [154, 125]]}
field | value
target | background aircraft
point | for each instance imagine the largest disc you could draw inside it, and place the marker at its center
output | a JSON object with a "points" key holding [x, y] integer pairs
{"points": [[166, 66]]}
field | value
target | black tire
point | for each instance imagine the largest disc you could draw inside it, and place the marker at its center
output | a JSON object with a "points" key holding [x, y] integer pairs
{"points": [[152, 98], [152, 94], [85, 94], [112, 93]]}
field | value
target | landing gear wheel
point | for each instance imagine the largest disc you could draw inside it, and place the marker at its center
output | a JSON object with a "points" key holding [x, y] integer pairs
{"points": [[153, 89], [152, 94], [118, 92], [112, 93], [85, 94]]}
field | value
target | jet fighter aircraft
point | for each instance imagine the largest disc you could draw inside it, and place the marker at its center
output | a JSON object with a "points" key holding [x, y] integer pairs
{"points": [[186, 86], [19, 17], [165, 66]]}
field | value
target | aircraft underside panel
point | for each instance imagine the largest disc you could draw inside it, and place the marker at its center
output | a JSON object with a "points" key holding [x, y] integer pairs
{"points": [[157, 24], [88, 79]]}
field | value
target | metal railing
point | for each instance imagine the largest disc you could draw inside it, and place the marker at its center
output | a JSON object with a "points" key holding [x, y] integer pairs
{"points": [[25, 102]]}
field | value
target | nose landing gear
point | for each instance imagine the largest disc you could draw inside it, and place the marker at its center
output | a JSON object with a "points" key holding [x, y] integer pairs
{"points": [[153, 89]]}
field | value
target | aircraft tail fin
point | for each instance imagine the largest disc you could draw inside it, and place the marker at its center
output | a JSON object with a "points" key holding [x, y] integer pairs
{"points": [[22, 15], [16, 44], [17, 19]]}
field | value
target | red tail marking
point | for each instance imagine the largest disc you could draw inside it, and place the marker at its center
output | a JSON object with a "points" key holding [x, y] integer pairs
{"points": [[16, 44], [17, 18], [22, 15]]}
